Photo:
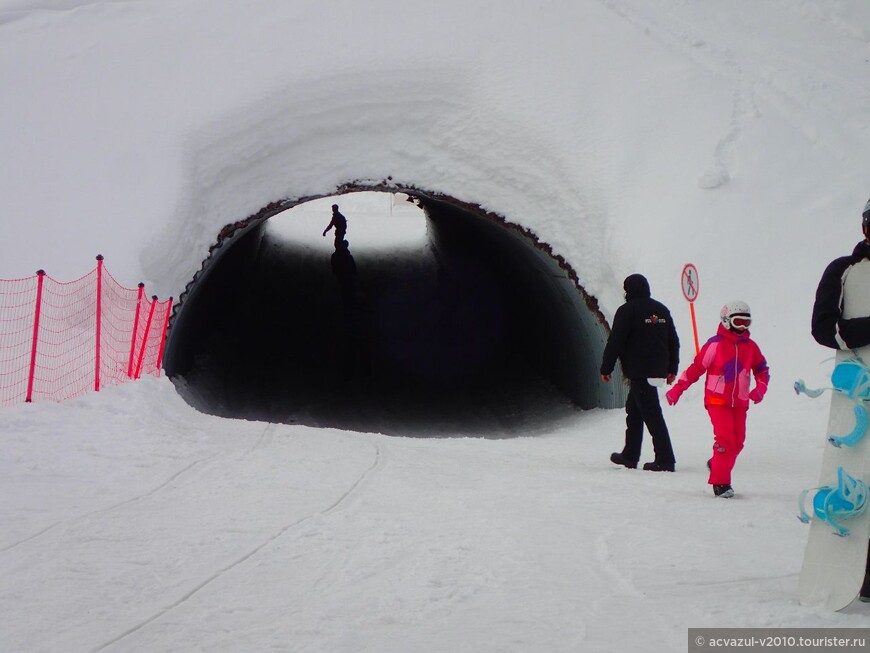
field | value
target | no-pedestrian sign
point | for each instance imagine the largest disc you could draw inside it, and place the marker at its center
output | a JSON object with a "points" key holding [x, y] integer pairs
{"points": [[689, 281]]}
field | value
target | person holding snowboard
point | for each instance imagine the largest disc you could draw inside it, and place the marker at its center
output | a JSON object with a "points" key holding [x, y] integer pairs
{"points": [[831, 329], [828, 326], [729, 359], [645, 341]]}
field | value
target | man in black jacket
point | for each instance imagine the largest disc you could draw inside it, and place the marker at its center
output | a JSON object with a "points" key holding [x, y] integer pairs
{"points": [[831, 329], [645, 341]]}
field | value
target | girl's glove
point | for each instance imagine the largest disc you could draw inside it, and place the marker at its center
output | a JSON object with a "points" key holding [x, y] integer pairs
{"points": [[673, 396], [756, 395]]}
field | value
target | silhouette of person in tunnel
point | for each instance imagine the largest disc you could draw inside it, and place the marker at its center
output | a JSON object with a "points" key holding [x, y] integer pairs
{"points": [[339, 222], [344, 268], [355, 351]]}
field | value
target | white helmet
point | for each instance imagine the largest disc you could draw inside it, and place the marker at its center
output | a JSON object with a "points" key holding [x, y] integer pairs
{"points": [[736, 309]]}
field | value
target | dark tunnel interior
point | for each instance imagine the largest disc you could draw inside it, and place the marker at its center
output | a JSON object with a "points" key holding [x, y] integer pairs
{"points": [[477, 332]]}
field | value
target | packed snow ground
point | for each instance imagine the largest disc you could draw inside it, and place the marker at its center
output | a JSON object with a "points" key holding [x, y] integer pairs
{"points": [[632, 135], [135, 529]]}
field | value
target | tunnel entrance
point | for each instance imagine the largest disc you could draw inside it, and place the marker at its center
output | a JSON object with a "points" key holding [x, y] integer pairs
{"points": [[467, 327]]}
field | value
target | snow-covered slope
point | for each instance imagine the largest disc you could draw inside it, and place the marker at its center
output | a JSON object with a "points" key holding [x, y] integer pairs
{"points": [[631, 135]]}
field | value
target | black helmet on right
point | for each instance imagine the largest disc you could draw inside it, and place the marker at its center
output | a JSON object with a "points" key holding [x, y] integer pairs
{"points": [[865, 220]]}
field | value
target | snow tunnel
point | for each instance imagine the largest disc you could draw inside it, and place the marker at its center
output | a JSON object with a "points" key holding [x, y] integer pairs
{"points": [[474, 328]]}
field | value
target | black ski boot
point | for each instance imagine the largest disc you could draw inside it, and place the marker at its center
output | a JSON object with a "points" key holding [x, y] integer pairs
{"points": [[658, 467], [619, 459], [724, 491]]}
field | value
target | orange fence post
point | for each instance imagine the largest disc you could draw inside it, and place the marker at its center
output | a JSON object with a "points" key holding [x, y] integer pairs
{"points": [[135, 329], [145, 337], [99, 322], [41, 277]]}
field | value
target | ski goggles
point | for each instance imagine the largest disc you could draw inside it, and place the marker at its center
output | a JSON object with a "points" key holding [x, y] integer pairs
{"points": [[741, 321]]}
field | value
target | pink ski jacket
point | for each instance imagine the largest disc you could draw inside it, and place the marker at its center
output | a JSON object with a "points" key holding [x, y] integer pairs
{"points": [[729, 359]]}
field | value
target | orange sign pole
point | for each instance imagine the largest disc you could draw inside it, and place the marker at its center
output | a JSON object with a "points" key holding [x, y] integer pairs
{"points": [[694, 327]]}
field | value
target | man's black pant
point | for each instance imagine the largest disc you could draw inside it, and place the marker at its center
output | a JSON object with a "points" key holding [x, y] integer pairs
{"points": [[643, 408]]}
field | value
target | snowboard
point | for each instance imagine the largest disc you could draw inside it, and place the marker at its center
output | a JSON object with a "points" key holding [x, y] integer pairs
{"points": [[833, 567]]}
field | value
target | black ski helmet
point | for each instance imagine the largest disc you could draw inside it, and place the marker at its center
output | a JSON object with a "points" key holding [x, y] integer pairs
{"points": [[865, 220]]}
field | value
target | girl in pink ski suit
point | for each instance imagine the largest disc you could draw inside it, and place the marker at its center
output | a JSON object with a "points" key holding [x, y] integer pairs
{"points": [[729, 359]]}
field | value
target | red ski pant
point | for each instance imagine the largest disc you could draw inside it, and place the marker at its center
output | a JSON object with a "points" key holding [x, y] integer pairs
{"points": [[729, 433]]}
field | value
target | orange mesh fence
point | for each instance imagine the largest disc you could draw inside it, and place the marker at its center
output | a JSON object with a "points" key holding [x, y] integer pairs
{"points": [[59, 340], [17, 298]]}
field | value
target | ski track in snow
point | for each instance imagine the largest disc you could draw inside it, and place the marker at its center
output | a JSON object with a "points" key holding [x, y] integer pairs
{"points": [[724, 156], [110, 508], [687, 44], [796, 99], [265, 439], [611, 570], [650, 619]]}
